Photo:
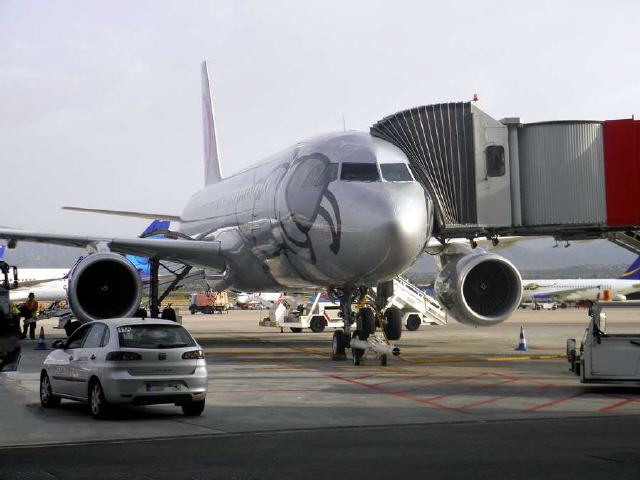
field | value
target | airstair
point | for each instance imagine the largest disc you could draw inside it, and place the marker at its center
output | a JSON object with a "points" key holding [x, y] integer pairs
{"points": [[411, 300], [629, 240]]}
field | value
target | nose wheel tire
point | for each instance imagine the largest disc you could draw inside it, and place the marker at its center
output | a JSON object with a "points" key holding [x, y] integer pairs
{"points": [[338, 346], [97, 403], [367, 323], [193, 409], [392, 323], [47, 398]]}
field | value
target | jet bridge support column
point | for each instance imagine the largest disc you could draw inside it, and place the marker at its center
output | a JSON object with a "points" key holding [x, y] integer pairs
{"points": [[154, 303]]}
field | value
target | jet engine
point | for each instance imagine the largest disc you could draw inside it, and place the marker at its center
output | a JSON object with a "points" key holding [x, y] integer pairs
{"points": [[104, 285], [478, 289]]}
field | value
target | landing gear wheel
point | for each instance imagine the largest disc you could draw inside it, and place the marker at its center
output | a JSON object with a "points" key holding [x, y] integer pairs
{"points": [[356, 353], [338, 346], [368, 323], [392, 323], [295, 329], [413, 323], [98, 404], [383, 360], [317, 324], [47, 398], [193, 409]]}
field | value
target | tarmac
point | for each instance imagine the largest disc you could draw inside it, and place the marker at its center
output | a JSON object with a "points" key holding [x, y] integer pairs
{"points": [[266, 384]]}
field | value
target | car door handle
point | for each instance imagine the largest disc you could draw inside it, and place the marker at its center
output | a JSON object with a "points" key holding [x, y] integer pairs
{"points": [[93, 357]]}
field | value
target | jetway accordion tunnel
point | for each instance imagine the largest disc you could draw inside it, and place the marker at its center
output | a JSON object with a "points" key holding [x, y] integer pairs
{"points": [[569, 179]]}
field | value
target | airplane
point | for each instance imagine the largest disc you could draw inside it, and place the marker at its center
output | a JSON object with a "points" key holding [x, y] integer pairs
{"points": [[340, 212], [592, 289], [50, 284]]}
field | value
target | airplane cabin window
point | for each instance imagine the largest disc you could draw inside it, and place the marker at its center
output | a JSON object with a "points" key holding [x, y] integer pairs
{"points": [[495, 161], [359, 172], [395, 172]]}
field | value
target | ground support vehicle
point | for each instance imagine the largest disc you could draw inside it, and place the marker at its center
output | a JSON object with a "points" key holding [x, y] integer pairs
{"points": [[209, 302], [605, 357], [126, 361], [417, 307], [317, 315]]}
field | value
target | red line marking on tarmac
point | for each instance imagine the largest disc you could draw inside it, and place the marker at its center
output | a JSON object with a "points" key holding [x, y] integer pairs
{"points": [[552, 402], [448, 382], [404, 379], [482, 402], [397, 394], [257, 390], [524, 379], [475, 389], [616, 405]]}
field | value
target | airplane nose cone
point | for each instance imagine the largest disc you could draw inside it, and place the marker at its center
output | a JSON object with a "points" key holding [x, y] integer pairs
{"points": [[398, 219]]}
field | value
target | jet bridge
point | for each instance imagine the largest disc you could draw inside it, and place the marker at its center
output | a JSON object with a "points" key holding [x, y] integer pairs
{"points": [[568, 179]]}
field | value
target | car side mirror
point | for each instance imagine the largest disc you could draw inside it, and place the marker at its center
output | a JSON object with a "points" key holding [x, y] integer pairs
{"points": [[58, 344]]}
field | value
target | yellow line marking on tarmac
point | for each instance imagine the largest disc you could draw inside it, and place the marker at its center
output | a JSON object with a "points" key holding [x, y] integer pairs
{"points": [[481, 359]]}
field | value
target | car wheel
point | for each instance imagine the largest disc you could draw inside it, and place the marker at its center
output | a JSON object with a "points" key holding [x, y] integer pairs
{"points": [[97, 403], [193, 409], [47, 398], [317, 324], [413, 323]]}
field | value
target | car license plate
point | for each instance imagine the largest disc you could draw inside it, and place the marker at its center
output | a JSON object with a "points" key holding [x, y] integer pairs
{"points": [[163, 387]]}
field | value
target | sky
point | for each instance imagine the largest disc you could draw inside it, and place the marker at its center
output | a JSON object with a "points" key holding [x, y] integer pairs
{"points": [[100, 101]]}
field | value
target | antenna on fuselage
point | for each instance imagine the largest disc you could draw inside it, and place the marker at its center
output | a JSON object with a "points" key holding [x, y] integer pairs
{"points": [[212, 173]]}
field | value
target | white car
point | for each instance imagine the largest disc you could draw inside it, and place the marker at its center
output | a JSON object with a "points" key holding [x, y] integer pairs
{"points": [[126, 361]]}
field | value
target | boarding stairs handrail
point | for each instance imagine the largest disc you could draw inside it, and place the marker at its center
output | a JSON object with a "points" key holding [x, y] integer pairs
{"points": [[629, 240], [407, 296]]}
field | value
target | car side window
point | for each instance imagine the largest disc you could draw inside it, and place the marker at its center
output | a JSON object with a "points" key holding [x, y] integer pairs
{"points": [[75, 341], [94, 337], [105, 337]]}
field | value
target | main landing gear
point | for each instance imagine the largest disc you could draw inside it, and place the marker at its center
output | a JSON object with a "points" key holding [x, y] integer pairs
{"points": [[360, 332]]}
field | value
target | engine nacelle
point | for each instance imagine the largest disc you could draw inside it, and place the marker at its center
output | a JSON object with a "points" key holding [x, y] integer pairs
{"points": [[104, 285], [479, 289]]}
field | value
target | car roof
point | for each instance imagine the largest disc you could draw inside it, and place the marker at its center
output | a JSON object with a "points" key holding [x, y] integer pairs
{"points": [[116, 322]]}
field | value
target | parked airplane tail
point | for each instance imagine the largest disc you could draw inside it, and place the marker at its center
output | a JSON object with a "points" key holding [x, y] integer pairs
{"points": [[212, 172], [633, 272], [142, 263]]}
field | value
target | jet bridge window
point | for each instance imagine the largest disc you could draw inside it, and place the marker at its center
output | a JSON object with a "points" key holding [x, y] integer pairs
{"points": [[359, 172], [395, 172], [495, 161]]}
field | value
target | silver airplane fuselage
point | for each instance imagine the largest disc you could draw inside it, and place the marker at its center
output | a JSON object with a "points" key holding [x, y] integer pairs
{"points": [[303, 219]]}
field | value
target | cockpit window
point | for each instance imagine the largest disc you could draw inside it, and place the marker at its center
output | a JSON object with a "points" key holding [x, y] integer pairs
{"points": [[312, 177], [328, 175], [359, 172], [395, 172]]}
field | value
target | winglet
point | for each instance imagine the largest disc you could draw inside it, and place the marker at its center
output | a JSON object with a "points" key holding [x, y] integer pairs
{"points": [[633, 272], [212, 172]]}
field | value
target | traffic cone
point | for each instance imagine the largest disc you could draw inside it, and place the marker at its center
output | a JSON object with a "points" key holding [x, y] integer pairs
{"points": [[41, 345], [522, 346]]}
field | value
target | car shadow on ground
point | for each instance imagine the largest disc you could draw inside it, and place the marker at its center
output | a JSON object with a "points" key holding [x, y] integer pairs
{"points": [[72, 410]]}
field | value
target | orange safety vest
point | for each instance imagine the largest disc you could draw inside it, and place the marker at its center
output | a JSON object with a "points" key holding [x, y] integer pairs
{"points": [[31, 305]]}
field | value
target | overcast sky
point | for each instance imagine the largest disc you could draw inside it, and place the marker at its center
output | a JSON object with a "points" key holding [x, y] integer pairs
{"points": [[100, 101]]}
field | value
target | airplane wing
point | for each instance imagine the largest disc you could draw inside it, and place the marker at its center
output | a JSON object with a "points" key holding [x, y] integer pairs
{"points": [[209, 254]]}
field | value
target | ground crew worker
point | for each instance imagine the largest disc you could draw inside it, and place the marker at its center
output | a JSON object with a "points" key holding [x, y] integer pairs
{"points": [[30, 312]]}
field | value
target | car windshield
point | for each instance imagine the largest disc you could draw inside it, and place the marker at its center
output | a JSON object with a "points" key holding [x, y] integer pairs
{"points": [[359, 172], [154, 336], [395, 172]]}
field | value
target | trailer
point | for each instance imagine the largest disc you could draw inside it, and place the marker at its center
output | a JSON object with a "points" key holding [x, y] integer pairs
{"points": [[605, 357], [316, 315], [209, 302]]}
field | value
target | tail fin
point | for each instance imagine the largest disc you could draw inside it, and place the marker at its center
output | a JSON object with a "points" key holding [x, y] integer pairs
{"points": [[142, 263], [633, 272], [211, 154], [2, 247]]}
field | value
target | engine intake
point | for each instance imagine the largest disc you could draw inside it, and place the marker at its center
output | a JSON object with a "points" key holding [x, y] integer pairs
{"points": [[104, 285], [479, 289]]}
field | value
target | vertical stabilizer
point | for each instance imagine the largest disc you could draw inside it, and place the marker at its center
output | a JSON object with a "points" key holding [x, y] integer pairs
{"points": [[633, 272], [211, 155]]}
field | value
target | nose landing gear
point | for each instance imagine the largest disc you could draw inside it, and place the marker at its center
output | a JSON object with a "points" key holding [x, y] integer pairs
{"points": [[365, 338]]}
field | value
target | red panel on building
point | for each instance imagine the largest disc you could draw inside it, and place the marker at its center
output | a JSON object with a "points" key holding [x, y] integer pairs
{"points": [[622, 171]]}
